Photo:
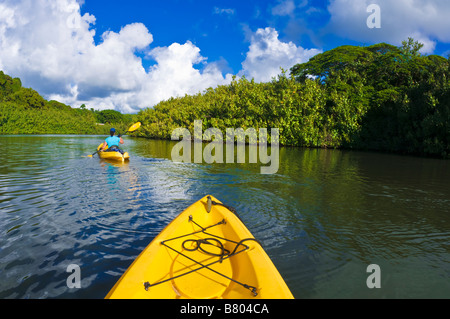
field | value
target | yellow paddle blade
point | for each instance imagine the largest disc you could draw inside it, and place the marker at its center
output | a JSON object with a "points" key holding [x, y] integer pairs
{"points": [[134, 127]]}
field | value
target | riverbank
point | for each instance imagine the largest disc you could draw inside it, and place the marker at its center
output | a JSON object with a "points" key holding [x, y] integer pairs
{"points": [[377, 98]]}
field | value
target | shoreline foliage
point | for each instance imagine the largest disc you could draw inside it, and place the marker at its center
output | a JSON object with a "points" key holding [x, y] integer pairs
{"points": [[375, 98]]}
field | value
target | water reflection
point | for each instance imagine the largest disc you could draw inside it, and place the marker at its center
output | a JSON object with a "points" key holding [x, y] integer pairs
{"points": [[323, 218]]}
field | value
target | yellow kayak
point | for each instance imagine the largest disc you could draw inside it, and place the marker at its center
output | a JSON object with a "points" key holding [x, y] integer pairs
{"points": [[114, 156], [206, 252]]}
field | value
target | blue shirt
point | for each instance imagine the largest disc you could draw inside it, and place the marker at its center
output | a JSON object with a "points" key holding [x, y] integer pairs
{"points": [[112, 140]]}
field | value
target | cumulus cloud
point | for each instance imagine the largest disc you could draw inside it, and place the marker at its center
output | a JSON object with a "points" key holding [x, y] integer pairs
{"points": [[285, 7], [267, 54], [424, 20], [175, 75], [51, 47]]}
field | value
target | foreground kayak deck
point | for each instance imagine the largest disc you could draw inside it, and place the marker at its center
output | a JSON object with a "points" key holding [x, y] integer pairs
{"points": [[113, 156], [202, 255]]}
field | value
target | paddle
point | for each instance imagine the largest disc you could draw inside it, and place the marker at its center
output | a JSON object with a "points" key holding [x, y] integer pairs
{"points": [[133, 128]]}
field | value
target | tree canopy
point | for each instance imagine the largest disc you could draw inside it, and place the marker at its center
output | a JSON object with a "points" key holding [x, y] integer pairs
{"points": [[404, 95], [378, 97]]}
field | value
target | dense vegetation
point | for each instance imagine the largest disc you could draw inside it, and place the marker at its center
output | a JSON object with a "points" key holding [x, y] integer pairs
{"points": [[24, 111], [379, 97]]}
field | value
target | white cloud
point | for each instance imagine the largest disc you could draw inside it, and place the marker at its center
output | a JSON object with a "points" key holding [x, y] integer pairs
{"points": [[50, 46], [267, 54], [424, 20], [287, 7], [175, 75], [228, 11]]}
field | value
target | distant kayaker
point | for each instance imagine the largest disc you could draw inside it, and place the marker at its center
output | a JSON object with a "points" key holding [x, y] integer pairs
{"points": [[112, 142]]}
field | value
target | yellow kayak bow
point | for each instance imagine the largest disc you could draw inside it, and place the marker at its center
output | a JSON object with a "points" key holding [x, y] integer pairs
{"points": [[206, 252]]}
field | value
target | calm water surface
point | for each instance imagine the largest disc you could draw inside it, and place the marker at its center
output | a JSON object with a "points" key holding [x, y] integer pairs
{"points": [[323, 218]]}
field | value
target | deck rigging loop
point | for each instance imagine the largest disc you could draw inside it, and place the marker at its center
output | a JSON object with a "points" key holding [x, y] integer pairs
{"points": [[196, 244]]}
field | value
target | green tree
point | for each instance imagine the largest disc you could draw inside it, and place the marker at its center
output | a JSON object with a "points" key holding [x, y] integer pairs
{"points": [[8, 85], [109, 116], [27, 97]]}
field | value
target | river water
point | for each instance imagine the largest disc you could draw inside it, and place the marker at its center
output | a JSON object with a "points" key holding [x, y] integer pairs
{"points": [[323, 218]]}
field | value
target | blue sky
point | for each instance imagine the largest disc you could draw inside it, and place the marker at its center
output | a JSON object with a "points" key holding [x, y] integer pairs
{"points": [[219, 28], [129, 55]]}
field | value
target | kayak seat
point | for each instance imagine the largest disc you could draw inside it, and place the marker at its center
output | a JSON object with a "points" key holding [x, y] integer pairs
{"points": [[114, 148]]}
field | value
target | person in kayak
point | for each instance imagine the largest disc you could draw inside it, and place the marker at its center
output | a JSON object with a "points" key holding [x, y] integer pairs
{"points": [[112, 142]]}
